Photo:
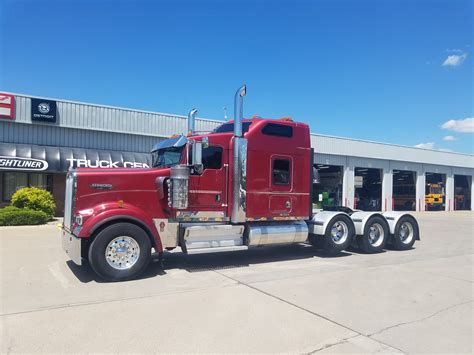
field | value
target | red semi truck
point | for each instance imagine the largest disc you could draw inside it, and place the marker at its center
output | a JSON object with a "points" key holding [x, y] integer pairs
{"points": [[248, 183]]}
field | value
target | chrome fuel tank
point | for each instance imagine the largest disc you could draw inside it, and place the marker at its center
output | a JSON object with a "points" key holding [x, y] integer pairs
{"points": [[259, 234]]}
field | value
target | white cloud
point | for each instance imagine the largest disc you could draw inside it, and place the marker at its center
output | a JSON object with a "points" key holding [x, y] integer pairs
{"points": [[429, 145], [454, 60], [449, 138], [463, 125], [445, 150], [449, 50]]}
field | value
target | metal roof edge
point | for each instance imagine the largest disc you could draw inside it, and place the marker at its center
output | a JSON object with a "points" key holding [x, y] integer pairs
{"points": [[98, 130], [401, 160], [218, 121], [390, 144], [108, 106]]}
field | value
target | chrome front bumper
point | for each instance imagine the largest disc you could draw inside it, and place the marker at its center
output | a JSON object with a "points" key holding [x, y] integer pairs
{"points": [[72, 246]]}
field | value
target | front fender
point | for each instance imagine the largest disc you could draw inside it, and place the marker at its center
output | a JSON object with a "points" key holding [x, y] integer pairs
{"points": [[130, 213]]}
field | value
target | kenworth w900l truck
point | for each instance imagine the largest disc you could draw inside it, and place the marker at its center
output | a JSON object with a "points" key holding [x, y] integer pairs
{"points": [[246, 184]]}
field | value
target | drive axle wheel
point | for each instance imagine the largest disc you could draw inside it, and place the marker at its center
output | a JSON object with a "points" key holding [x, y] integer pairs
{"points": [[406, 232], [375, 235], [338, 235], [120, 252]]}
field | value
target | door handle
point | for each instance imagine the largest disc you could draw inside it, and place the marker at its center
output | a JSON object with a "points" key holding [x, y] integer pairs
{"points": [[288, 204]]}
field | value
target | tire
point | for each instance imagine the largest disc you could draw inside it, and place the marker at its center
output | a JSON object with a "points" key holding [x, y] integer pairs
{"points": [[122, 239], [376, 233], [338, 235], [406, 233]]}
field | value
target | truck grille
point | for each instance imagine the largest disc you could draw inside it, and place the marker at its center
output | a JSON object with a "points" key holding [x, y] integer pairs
{"points": [[70, 199]]}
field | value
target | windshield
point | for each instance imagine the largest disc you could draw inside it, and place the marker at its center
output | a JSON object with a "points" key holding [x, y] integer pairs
{"points": [[167, 157], [436, 190], [229, 127]]}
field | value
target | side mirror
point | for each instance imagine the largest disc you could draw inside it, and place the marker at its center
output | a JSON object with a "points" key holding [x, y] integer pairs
{"points": [[196, 159]]}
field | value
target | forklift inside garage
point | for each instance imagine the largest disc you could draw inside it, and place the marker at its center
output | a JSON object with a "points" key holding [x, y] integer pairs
{"points": [[327, 185]]}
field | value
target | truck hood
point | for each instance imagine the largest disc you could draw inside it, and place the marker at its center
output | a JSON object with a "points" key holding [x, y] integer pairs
{"points": [[118, 179], [130, 185]]}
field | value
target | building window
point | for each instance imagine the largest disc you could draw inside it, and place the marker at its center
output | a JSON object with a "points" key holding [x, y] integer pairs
{"points": [[13, 181], [279, 130], [281, 172]]}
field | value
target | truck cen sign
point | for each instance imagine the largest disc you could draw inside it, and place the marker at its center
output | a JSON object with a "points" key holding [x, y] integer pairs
{"points": [[87, 163], [61, 159]]}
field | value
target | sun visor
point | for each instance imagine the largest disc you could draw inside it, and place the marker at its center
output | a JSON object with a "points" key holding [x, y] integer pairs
{"points": [[175, 142]]}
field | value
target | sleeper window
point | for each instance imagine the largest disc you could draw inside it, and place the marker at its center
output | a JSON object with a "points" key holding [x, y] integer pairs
{"points": [[281, 172], [278, 130]]}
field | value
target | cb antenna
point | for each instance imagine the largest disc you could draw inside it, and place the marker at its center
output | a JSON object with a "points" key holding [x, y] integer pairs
{"points": [[225, 113]]}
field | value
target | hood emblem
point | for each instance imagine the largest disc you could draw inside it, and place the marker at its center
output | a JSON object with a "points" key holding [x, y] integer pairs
{"points": [[101, 186]]}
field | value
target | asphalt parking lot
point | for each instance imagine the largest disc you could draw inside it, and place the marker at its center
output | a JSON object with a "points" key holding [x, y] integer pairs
{"points": [[274, 299]]}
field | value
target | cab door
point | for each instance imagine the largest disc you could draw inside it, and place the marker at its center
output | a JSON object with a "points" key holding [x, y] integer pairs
{"points": [[281, 181], [207, 191]]}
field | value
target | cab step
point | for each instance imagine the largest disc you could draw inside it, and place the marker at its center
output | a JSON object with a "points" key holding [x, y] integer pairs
{"points": [[213, 238], [216, 250]]}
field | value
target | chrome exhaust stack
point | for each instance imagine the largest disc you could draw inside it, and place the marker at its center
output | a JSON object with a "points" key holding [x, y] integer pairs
{"points": [[239, 110], [192, 121], [239, 166]]}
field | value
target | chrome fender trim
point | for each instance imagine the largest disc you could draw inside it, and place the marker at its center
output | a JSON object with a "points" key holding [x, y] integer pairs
{"points": [[168, 232], [320, 220], [361, 218], [393, 217]]}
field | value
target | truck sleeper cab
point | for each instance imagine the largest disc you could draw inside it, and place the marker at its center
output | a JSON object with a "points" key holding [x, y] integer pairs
{"points": [[248, 183]]}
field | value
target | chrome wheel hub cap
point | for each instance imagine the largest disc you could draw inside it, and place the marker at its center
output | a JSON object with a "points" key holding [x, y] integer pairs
{"points": [[122, 253], [376, 235], [339, 232], [406, 233]]}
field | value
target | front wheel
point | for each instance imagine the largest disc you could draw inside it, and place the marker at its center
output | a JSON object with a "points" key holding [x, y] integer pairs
{"points": [[120, 252], [406, 232], [338, 235]]}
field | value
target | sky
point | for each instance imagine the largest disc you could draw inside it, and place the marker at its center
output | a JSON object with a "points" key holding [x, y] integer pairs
{"points": [[394, 71]]}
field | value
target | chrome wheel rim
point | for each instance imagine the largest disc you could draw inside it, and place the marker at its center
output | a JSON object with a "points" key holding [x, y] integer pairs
{"points": [[376, 235], [122, 253], [339, 232], [406, 233]]}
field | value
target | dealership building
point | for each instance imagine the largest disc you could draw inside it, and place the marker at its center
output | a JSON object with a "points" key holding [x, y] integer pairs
{"points": [[41, 138]]}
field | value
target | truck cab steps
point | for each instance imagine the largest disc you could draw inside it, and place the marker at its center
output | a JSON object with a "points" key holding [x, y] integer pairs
{"points": [[216, 249], [212, 238]]}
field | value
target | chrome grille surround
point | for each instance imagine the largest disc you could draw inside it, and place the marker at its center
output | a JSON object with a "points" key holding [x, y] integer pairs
{"points": [[70, 199]]}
